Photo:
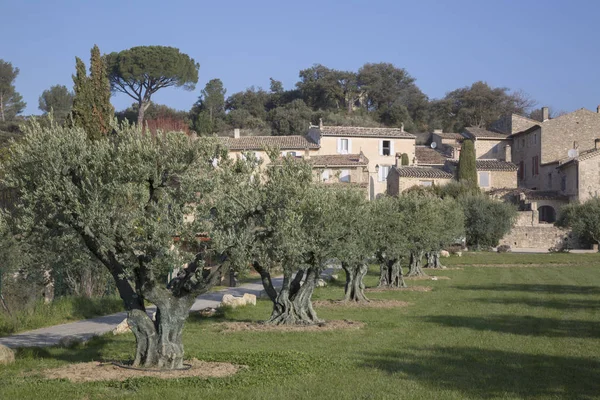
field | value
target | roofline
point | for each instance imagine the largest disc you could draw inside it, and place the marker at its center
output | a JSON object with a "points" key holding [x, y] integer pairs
{"points": [[528, 130]]}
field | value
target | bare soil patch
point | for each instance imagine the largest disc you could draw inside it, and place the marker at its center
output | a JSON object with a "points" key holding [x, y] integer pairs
{"points": [[99, 371], [261, 327], [355, 304], [519, 265], [405, 289], [426, 278]]}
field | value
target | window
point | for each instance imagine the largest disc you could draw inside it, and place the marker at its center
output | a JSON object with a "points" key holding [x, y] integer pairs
{"points": [[484, 179], [343, 146], [384, 170], [291, 153], [535, 138], [563, 183], [535, 166], [386, 148], [426, 183], [550, 180], [522, 170], [325, 175], [345, 176], [522, 142]]}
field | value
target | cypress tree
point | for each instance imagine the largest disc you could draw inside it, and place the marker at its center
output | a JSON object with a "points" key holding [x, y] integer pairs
{"points": [[404, 159], [103, 111], [92, 110], [467, 168]]}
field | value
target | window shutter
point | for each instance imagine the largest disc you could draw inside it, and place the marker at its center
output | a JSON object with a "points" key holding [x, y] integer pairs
{"points": [[349, 146], [339, 146], [381, 148]]}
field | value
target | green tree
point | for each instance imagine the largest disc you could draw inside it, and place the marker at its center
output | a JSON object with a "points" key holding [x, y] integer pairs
{"points": [[11, 102], [386, 229], [58, 100], [92, 109], [467, 165], [141, 71], [354, 247], [125, 198], [210, 108], [583, 219], [284, 221], [479, 105], [486, 220], [291, 119]]}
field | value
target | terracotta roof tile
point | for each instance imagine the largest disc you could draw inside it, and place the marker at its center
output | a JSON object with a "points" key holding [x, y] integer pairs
{"points": [[427, 156], [491, 165], [423, 172], [261, 142], [481, 133], [449, 135], [339, 160], [364, 132]]}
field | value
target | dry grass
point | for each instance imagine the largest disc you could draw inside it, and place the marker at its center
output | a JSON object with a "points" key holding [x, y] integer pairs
{"points": [[98, 371], [261, 327]]}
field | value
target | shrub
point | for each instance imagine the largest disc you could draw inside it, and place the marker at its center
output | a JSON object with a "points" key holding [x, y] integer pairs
{"points": [[486, 221]]}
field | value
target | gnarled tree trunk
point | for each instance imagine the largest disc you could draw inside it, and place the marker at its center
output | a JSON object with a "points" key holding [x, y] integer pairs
{"points": [[391, 274], [415, 266], [355, 288], [293, 304], [433, 260]]}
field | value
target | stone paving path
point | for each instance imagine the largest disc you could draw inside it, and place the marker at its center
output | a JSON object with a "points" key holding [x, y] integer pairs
{"points": [[85, 329]]}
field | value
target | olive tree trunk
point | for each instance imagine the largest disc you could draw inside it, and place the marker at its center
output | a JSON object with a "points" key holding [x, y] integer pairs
{"points": [[293, 304], [391, 274], [416, 262], [355, 288], [159, 342], [433, 260]]}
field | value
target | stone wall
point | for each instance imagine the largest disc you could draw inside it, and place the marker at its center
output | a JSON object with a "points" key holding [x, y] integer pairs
{"points": [[589, 178], [503, 179], [559, 134], [542, 236], [490, 149], [513, 123]]}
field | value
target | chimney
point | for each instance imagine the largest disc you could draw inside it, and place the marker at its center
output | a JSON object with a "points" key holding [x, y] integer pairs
{"points": [[598, 109], [545, 114], [507, 153], [320, 123], [236, 133], [398, 160], [307, 153], [597, 144], [402, 127]]}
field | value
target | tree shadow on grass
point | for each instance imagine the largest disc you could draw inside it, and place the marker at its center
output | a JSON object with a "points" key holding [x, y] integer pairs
{"points": [[91, 350], [552, 304], [522, 325], [484, 374], [534, 288]]}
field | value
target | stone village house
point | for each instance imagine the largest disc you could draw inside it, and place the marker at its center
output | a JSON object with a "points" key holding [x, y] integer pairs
{"points": [[538, 165]]}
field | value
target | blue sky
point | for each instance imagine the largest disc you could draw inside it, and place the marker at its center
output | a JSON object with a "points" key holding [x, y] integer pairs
{"points": [[549, 49]]}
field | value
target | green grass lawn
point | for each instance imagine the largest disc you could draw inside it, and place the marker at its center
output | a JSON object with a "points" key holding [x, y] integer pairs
{"points": [[486, 333]]}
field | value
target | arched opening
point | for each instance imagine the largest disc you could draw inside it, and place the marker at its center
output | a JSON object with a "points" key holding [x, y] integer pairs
{"points": [[547, 214]]}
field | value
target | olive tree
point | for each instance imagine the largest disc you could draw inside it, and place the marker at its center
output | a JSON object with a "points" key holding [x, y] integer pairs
{"points": [[352, 245], [386, 229], [136, 202], [451, 229], [284, 221]]}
